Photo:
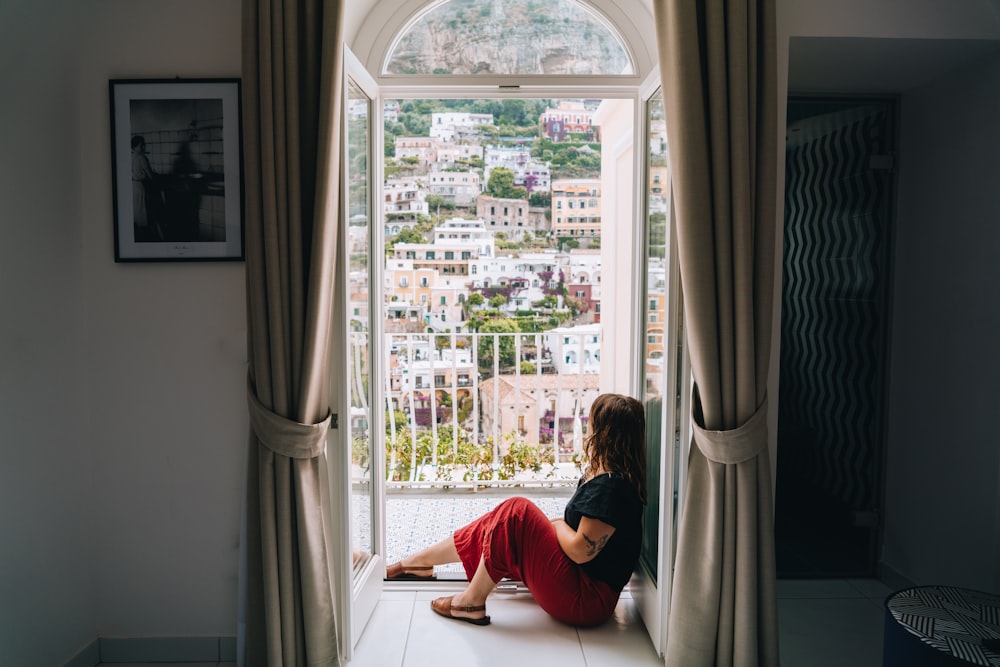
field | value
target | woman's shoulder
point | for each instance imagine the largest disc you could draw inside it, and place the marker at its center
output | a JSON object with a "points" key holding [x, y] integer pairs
{"points": [[610, 482]]}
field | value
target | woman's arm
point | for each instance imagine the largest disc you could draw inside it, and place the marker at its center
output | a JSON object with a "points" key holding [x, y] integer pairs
{"points": [[584, 543]]}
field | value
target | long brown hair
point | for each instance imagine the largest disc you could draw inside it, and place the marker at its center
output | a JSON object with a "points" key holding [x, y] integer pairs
{"points": [[616, 441]]}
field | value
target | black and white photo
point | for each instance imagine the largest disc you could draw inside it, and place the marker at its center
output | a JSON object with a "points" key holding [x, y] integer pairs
{"points": [[177, 169]]}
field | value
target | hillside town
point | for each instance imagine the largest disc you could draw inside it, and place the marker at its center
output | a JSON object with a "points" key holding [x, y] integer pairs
{"points": [[491, 289]]}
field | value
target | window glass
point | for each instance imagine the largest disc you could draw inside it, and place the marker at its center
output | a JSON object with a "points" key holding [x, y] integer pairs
{"points": [[658, 387], [470, 37]]}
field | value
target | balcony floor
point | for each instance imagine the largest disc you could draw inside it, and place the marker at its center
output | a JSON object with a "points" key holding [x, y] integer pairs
{"points": [[415, 520], [822, 622]]}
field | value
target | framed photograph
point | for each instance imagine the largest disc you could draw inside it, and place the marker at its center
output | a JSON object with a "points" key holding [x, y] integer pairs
{"points": [[177, 169]]}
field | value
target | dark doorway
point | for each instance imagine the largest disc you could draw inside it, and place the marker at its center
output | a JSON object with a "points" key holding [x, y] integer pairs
{"points": [[834, 325]]}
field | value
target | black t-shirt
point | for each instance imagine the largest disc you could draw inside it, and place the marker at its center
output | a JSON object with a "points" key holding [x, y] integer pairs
{"points": [[612, 499]]}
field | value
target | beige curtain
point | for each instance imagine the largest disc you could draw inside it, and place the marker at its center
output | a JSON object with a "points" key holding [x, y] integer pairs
{"points": [[292, 90], [718, 66]]}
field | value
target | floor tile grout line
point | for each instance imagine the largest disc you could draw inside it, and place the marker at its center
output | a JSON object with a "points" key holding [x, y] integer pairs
{"points": [[579, 641], [409, 629]]}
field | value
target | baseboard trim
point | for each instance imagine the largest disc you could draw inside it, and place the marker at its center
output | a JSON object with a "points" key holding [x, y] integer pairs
{"points": [[893, 579], [88, 656], [195, 650]]}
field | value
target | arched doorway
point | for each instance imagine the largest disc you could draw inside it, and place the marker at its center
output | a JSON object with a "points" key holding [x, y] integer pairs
{"points": [[414, 57]]}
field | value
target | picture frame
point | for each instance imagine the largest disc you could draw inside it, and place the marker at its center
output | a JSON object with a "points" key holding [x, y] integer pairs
{"points": [[177, 169]]}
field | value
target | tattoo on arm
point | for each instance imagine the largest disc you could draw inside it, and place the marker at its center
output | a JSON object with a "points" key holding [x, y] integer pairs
{"points": [[594, 547]]}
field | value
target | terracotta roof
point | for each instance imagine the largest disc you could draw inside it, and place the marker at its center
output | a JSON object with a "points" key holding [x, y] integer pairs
{"points": [[529, 383]]}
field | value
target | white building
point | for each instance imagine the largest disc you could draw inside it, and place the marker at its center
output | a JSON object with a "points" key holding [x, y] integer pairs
{"points": [[390, 111], [447, 297], [530, 174], [424, 149], [450, 154], [462, 232], [491, 272], [405, 200], [446, 125], [458, 187], [575, 349], [583, 266]]}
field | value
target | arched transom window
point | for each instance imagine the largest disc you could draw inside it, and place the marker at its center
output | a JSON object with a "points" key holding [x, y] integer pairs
{"points": [[509, 37]]}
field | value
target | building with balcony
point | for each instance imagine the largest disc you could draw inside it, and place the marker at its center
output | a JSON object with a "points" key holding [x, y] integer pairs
{"points": [[424, 149], [457, 187], [469, 234], [447, 126], [428, 380], [532, 175], [405, 202], [541, 408], [575, 349], [510, 216], [576, 208], [390, 111], [451, 154], [569, 117]]}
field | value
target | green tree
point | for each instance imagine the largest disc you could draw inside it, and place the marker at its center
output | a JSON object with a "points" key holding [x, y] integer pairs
{"points": [[405, 235], [498, 301], [505, 344], [476, 299], [540, 199], [501, 184], [435, 202]]}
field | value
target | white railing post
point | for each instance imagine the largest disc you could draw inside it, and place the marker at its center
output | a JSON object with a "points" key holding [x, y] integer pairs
{"points": [[578, 404], [454, 396], [391, 439], [413, 411], [497, 417], [475, 388], [431, 353], [488, 424], [517, 379]]}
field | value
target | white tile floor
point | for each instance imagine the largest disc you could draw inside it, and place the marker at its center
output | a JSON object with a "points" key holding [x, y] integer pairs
{"points": [[822, 623]]}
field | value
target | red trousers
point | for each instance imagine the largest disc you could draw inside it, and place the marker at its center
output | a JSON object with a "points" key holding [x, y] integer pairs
{"points": [[517, 541]]}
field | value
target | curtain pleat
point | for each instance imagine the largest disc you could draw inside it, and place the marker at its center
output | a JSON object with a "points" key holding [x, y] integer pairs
{"points": [[718, 69], [292, 83]]}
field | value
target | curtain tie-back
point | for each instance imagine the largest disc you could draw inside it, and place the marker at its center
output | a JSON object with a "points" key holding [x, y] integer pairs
{"points": [[284, 436], [735, 445]]}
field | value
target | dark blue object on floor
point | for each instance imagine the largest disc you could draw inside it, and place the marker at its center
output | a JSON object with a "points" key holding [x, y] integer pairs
{"points": [[941, 626]]}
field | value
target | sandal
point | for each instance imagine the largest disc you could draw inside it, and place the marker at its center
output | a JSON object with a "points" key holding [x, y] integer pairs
{"points": [[396, 571], [444, 607]]}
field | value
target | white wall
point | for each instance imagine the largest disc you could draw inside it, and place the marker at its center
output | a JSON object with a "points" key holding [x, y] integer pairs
{"points": [[46, 471], [942, 500], [122, 414], [166, 353], [122, 418], [943, 468]]}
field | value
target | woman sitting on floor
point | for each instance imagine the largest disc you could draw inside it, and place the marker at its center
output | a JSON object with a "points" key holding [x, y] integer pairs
{"points": [[576, 565]]}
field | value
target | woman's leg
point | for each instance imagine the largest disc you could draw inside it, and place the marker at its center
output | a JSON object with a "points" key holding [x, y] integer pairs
{"points": [[473, 597], [517, 541], [437, 554], [421, 564]]}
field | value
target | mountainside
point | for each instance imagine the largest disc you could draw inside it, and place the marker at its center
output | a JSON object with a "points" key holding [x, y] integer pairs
{"points": [[509, 37]]}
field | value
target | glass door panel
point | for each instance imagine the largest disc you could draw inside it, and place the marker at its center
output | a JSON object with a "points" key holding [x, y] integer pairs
{"points": [[664, 389], [358, 323], [358, 465]]}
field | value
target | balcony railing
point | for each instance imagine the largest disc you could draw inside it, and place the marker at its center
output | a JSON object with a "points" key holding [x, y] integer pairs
{"points": [[488, 409]]}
